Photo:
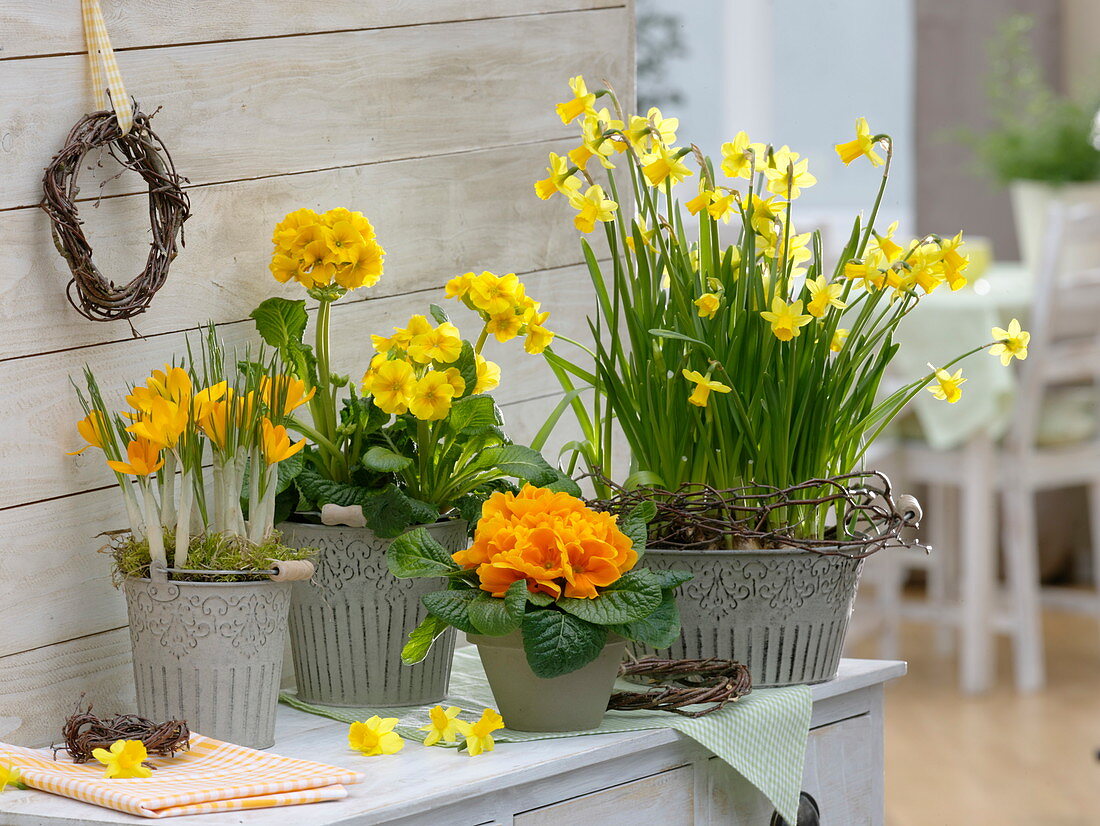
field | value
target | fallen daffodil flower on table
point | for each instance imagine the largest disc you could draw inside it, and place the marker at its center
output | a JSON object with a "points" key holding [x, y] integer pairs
{"points": [[9, 776], [375, 737], [444, 726], [479, 737], [124, 760]]}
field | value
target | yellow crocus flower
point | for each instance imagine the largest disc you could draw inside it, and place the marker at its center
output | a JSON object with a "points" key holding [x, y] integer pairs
{"points": [[561, 179], [665, 163], [708, 304], [591, 207], [143, 459], [840, 335], [823, 295], [93, 428], [479, 737], [289, 391], [1011, 343], [488, 375], [391, 384], [442, 344], [164, 423], [431, 398], [948, 387], [786, 319], [443, 726], [275, 443], [862, 146], [172, 383], [581, 103], [704, 386], [124, 759], [375, 737]]}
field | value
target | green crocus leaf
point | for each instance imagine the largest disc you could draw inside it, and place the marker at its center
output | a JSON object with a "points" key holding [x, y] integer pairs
{"points": [[490, 615], [417, 554], [659, 629], [634, 595], [280, 321], [384, 460], [421, 639], [453, 607], [557, 643]]}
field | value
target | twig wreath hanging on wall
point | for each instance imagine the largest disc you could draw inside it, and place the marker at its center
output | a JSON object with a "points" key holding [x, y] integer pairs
{"points": [[94, 296]]}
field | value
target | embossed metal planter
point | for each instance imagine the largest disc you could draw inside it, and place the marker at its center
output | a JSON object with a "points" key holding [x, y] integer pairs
{"points": [[350, 622], [783, 613], [210, 654]]}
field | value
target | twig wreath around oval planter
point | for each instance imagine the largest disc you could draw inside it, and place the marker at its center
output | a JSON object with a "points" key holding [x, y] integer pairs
{"points": [[141, 150]]}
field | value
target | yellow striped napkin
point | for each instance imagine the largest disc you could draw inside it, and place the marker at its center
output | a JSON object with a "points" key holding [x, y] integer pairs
{"points": [[212, 777]]}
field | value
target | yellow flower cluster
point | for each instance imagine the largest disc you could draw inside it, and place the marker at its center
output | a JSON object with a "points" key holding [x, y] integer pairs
{"points": [[338, 247], [925, 263], [504, 306], [377, 736], [410, 372]]}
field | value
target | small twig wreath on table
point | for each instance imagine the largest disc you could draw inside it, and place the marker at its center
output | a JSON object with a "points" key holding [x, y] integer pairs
{"points": [[676, 684], [142, 151], [84, 733]]}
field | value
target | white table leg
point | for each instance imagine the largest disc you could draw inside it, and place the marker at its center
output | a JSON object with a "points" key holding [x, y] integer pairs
{"points": [[978, 568]]}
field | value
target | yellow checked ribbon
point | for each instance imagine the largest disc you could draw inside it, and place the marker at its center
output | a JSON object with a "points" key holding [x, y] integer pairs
{"points": [[101, 58]]}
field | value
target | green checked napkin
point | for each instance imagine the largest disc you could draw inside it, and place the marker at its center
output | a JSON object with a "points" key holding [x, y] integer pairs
{"points": [[762, 736]]}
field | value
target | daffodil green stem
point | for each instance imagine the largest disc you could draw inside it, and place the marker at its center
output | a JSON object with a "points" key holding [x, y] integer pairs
{"points": [[878, 198]]}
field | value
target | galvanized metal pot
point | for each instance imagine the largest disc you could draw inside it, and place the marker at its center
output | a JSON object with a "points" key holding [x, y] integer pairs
{"points": [[783, 613], [572, 702], [350, 622], [210, 653]]}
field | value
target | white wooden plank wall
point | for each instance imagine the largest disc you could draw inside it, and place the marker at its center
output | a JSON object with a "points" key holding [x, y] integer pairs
{"points": [[433, 117]]}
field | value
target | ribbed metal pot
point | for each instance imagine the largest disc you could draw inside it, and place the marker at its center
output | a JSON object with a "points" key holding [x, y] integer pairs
{"points": [[783, 613], [210, 654], [349, 623]]}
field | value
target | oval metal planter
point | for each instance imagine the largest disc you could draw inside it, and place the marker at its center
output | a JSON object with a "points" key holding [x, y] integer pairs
{"points": [[210, 653], [783, 613], [349, 623]]}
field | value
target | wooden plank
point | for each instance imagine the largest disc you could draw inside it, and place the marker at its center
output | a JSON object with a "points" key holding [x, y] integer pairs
{"points": [[32, 28], [264, 107], [39, 689], [432, 223]]}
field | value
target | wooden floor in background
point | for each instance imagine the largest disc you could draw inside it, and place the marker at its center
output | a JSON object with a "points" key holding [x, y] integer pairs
{"points": [[1002, 759]]}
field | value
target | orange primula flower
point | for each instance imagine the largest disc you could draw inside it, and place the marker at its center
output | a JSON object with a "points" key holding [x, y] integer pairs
{"points": [[550, 539]]}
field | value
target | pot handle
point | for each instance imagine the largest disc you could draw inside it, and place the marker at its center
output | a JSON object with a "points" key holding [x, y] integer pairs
{"points": [[293, 570], [910, 510]]}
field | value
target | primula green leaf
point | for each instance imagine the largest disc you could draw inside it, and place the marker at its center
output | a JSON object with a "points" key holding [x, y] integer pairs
{"points": [[473, 414], [280, 321], [557, 643], [467, 367], [659, 629], [453, 607], [289, 470], [515, 599], [384, 460], [636, 524], [539, 598], [421, 639], [520, 462], [417, 554], [490, 615], [438, 313], [672, 579], [634, 595], [563, 484]]}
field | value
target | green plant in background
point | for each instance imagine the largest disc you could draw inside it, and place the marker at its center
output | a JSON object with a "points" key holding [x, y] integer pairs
{"points": [[1037, 134]]}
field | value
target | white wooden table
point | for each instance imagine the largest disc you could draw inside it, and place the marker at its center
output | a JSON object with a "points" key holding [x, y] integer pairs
{"points": [[633, 779]]}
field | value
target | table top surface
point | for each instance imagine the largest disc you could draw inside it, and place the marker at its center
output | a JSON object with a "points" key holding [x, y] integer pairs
{"points": [[415, 779]]}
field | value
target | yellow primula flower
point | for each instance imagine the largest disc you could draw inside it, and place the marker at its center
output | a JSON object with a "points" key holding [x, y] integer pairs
{"points": [[786, 319], [708, 304], [479, 737], [285, 234], [561, 179], [124, 759], [142, 459], [443, 725], [442, 344], [593, 206], [538, 338], [431, 399], [391, 384], [459, 286], [275, 443], [840, 335], [364, 268], [495, 294], [665, 163], [948, 387], [581, 103], [1011, 343], [488, 375], [863, 145], [703, 387], [789, 178], [375, 737], [454, 378], [94, 429], [10, 776], [504, 326], [823, 295]]}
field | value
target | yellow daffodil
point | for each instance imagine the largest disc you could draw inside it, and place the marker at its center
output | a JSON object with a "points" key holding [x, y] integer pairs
{"points": [[391, 384], [275, 444], [738, 156], [561, 178], [443, 725], [582, 101], [723, 204], [948, 387], [9, 776], [488, 375], [375, 737], [789, 179], [700, 201], [665, 163], [495, 294], [707, 305], [840, 335], [93, 428], [763, 212], [442, 344], [862, 146], [647, 235], [703, 387], [163, 424], [786, 319], [643, 133], [143, 458], [1011, 343], [954, 262], [870, 276], [538, 338], [595, 142], [431, 399], [591, 207], [882, 249], [823, 295], [459, 286], [479, 735], [284, 394], [124, 759]]}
